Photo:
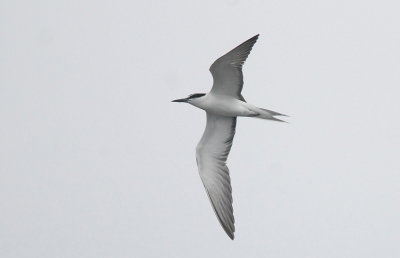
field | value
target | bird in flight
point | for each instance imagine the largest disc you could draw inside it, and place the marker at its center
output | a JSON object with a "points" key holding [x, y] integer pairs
{"points": [[223, 104]]}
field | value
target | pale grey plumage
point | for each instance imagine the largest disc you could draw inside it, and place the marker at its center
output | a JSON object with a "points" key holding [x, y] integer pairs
{"points": [[211, 154], [213, 148], [227, 70], [223, 104]]}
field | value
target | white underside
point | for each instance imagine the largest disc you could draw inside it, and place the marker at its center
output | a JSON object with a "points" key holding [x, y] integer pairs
{"points": [[224, 105]]}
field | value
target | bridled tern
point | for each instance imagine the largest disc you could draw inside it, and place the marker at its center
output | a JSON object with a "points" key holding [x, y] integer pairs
{"points": [[223, 104]]}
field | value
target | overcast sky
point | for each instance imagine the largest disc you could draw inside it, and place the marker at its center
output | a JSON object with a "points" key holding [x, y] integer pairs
{"points": [[95, 161]]}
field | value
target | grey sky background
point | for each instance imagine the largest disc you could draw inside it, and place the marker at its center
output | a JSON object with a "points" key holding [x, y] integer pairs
{"points": [[95, 161]]}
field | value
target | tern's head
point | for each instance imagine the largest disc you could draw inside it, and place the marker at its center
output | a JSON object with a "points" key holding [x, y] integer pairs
{"points": [[191, 98]]}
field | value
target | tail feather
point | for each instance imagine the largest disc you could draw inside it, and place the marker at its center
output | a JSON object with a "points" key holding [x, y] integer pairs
{"points": [[269, 115], [276, 119], [273, 112]]}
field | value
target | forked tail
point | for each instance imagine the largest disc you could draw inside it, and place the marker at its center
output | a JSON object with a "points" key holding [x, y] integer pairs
{"points": [[268, 114]]}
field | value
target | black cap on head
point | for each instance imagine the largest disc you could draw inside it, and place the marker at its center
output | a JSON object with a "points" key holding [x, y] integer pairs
{"points": [[196, 95]]}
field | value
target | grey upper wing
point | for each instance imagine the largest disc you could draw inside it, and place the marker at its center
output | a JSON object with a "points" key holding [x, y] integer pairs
{"points": [[227, 70], [211, 155]]}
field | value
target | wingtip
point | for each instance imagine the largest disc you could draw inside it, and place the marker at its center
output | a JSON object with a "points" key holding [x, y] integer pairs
{"points": [[255, 37]]}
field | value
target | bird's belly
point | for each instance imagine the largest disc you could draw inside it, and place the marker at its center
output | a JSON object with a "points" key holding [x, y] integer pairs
{"points": [[228, 107]]}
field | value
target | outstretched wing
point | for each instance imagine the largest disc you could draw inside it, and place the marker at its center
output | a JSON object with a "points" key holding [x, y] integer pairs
{"points": [[211, 155], [227, 70]]}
